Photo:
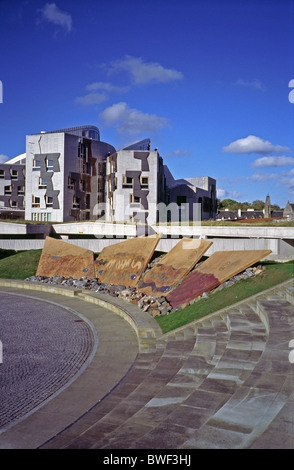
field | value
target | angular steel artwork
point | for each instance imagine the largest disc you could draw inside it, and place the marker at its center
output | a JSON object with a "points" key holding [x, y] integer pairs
{"points": [[59, 258], [124, 263], [173, 266], [218, 268]]}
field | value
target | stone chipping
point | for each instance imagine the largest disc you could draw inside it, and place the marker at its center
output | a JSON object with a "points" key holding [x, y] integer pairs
{"points": [[151, 304]]}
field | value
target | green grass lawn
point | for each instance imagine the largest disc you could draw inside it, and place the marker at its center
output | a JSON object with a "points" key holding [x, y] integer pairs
{"points": [[24, 264], [20, 265]]}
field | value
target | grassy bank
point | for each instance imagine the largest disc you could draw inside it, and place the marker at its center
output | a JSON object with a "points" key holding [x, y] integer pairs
{"points": [[20, 265]]}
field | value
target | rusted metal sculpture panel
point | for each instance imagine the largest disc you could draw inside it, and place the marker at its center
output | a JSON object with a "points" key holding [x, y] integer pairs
{"points": [[59, 258], [218, 268], [124, 263], [173, 267]]}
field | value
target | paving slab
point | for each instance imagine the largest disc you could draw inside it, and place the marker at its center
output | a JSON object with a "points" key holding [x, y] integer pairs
{"points": [[220, 388]]}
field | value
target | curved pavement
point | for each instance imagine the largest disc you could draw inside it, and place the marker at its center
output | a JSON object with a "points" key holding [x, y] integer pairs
{"points": [[225, 382], [45, 346]]}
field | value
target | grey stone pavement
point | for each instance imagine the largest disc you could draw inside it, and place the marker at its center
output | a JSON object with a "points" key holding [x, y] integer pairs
{"points": [[84, 371]]}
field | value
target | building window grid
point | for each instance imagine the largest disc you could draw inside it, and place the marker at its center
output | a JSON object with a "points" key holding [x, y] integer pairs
{"points": [[41, 216]]}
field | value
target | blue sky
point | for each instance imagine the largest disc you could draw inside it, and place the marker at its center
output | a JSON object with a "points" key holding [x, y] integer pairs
{"points": [[206, 80]]}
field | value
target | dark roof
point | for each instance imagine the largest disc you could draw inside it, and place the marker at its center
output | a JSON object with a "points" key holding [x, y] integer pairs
{"points": [[227, 215]]}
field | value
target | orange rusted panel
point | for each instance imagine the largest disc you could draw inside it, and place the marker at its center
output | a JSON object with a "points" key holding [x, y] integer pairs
{"points": [[173, 267], [218, 268], [124, 263], [60, 258]]}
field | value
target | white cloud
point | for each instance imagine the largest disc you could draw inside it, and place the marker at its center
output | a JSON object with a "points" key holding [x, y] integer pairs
{"points": [[256, 84], [263, 176], [131, 120], [253, 144], [273, 161], [98, 93], [106, 86], [223, 193], [3, 158], [145, 72], [51, 13], [91, 98], [287, 181], [179, 153]]}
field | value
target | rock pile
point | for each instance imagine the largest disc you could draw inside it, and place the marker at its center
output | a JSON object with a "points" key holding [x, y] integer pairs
{"points": [[151, 304]]}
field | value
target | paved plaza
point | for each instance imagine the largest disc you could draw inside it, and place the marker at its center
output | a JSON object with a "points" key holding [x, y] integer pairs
{"points": [[81, 373]]}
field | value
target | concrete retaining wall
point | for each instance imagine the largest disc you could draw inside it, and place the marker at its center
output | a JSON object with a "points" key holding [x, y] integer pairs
{"points": [[280, 240]]}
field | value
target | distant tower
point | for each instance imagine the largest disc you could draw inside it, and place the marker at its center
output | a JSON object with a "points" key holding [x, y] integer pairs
{"points": [[267, 207]]}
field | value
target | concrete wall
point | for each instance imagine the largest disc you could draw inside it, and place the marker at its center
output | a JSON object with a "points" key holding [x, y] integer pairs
{"points": [[278, 239], [280, 250]]}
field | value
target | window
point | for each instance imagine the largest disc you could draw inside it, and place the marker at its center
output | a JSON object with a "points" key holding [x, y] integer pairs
{"points": [[76, 202], [20, 190], [35, 202], [144, 180], [45, 217], [42, 183], [41, 216], [100, 184], [14, 174], [36, 164], [13, 203], [71, 183], [49, 201], [83, 185], [2, 174], [181, 200], [127, 181], [49, 164], [135, 199], [7, 190]]}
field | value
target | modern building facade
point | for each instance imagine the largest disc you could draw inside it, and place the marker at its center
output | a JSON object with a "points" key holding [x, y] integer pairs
{"points": [[71, 175], [66, 174], [195, 196], [12, 188], [135, 185]]}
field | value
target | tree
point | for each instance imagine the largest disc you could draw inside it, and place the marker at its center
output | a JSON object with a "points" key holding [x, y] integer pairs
{"points": [[230, 204], [258, 205]]}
